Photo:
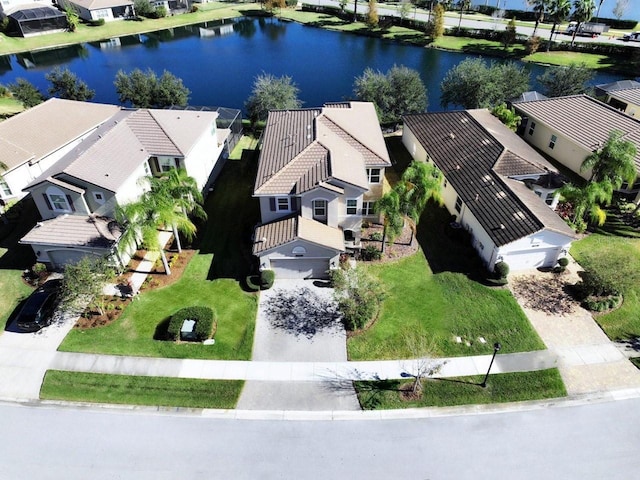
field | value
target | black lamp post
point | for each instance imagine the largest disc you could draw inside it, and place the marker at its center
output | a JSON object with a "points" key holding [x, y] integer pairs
{"points": [[496, 347]]}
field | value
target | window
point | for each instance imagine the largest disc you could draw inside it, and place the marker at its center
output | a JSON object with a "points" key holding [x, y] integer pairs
{"points": [[444, 183], [352, 206], [58, 202], [4, 186], [99, 197], [299, 251], [532, 127], [368, 208], [552, 142], [458, 204], [373, 175], [282, 204], [167, 164], [147, 169], [319, 208]]}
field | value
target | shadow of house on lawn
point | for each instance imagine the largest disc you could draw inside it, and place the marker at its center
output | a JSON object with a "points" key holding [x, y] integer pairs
{"points": [[13, 226], [232, 215]]}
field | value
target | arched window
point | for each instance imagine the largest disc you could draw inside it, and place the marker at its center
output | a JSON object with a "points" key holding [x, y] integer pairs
{"points": [[299, 251]]}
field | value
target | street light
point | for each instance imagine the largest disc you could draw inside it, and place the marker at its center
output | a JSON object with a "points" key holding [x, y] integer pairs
{"points": [[496, 347]]}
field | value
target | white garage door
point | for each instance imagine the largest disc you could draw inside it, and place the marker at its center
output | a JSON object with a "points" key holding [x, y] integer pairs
{"points": [[300, 268], [527, 259]]}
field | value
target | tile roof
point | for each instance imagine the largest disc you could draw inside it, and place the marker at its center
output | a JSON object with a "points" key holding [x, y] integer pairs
{"points": [[469, 148], [584, 120], [99, 4], [286, 230], [75, 231], [630, 95], [303, 148], [43, 129], [110, 155], [619, 85], [528, 96]]}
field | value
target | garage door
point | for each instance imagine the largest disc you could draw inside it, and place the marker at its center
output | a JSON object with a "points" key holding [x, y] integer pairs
{"points": [[300, 268], [59, 258], [528, 259]]}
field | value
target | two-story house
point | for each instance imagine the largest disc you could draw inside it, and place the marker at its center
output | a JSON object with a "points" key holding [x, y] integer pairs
{"points": [[320, 172], [77, 196]]}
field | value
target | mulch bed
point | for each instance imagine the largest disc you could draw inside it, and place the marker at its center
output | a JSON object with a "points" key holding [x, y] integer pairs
{"points": [[115, 305], [546, 292], [403, 246]]}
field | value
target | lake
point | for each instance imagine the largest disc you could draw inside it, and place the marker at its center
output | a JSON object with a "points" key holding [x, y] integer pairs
{"points": [[218, 61]]}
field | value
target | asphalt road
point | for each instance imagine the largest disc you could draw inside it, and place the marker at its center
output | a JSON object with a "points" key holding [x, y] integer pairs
{"points": [[591, 441]]}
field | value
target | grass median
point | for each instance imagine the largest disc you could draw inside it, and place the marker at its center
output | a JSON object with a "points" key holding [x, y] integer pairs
{"points": [[134, 390], [501, 388]]}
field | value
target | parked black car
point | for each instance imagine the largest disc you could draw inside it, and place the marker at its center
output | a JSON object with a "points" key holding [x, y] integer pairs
{"points": [[39, 307]]}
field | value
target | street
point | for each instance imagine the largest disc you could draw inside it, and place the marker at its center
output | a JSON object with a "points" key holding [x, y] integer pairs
{"points": [[583, 441]]}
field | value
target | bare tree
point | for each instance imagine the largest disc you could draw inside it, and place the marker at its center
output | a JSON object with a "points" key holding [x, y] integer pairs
{"points": [[419, 344], [620, 8]]}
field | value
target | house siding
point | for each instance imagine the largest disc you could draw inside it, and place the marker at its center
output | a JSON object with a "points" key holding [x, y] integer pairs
{"points": [[200, 162]]}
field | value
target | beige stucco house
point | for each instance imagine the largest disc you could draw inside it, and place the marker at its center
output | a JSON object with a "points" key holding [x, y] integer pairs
{"points": [[623, 95], [320, 172], [108, 10], [498, 188]]}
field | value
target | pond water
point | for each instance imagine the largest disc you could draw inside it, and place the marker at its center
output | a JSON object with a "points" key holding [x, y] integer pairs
{"points": [[218, 61]]}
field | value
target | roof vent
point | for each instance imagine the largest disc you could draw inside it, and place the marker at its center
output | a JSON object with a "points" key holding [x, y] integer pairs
{"points": [[452, 136], [502, 227], [477, 197], [501, 194], [263, 239], [486, 178], [518, 215]]}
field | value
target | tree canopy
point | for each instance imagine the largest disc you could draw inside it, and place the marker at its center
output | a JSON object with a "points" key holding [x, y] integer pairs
{"points": [[271, 93], [84, 282], [26, 93], [558, 12], [561, 81], [507, 116], [614, 162], [146, 90], [65, 84], [398, 92], [475, 84], [582, 12]]}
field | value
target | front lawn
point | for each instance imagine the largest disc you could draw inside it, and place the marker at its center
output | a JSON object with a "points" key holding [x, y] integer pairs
{"points": [[618, 260], [212, 278], [131, 390], [501, 388]]}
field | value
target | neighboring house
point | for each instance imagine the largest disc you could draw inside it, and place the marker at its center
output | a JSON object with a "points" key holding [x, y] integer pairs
{"points": [[109, 10], [29, 18], [493, 186], [320, 172], [77, 196], [569, 129], [34, 140], [623, 95]]}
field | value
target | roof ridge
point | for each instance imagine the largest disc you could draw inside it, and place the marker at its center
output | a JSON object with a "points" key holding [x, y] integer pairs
{"points": [[148, 111]]}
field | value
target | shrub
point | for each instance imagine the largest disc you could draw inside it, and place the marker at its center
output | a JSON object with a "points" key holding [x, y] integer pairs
{"points": [[253, 283], [194, 8], [593, 285], [4, 24], [501, 270], [267, 277], [377, 236], [370, 252], [97, 23], [532, 45], [291, 3], [160, 12], [204, 323], [358, 296], [563, 262]]}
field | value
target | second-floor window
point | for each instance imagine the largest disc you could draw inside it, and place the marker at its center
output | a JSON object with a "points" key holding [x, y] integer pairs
{"points": [[373, 175], [282, 204], [4, 186], [319, 208], [532, 127], [352, 206], [552, 141], [368, 208]]}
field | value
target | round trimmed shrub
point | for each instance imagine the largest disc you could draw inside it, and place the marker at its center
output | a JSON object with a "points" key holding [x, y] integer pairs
{"points": [[204, 327], [501, 269], [267, 277], [563, 262]]}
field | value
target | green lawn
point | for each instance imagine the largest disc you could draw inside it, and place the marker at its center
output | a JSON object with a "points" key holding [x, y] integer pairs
{"points": [[85, 33], [130, 390], [617, 259], [9, 106], [508, 387], [212, 278]]}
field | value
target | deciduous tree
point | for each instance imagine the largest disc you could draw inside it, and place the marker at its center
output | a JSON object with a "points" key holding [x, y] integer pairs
{"points": [[436, 25], [83, 283], [509, 34], [620, 8], [26, 93], [65, 84], [372, 14], [561, 81], [271, 93], [146, 90]]}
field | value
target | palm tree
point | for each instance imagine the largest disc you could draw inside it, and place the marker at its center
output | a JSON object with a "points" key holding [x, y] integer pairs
{"points": [[540, 8], [389, 206], [420, 183], [582, 12], [613, 162], [463, 5], [558, 13], [587, 201], [598, 12], [178, 197]]}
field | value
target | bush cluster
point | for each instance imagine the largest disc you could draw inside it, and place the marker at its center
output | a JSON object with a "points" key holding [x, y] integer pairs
{"points": [[267, 277], [358, 296], [203, 316], [370, 252], [600, 305], [97, 23], [593, 285]]}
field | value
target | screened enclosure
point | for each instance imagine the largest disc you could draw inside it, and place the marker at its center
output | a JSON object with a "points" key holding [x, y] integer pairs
{"points": [[34, 21]]}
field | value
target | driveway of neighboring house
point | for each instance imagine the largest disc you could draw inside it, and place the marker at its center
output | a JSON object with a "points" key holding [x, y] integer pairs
{"points": [[297, 321]]}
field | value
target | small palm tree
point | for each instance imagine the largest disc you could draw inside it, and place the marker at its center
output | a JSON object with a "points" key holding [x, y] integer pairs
{"points": [[613, 162], [587, 201], [389, 206]]}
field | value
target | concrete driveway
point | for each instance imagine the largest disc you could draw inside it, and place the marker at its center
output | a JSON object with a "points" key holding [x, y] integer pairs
{"points": [[297, 321]]}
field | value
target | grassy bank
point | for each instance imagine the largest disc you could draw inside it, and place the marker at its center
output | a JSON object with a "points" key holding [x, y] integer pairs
{"points": [[502, 388], [131, 390], [86, 33]]}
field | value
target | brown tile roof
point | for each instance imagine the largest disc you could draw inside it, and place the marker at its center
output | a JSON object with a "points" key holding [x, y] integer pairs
{"points": [[110, 155], [281, 232], [43, 129], [75, 231], [584, 120], [631, 95], [302, 148], [465, 147]]}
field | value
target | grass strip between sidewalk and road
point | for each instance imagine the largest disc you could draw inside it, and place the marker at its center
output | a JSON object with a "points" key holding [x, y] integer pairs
{"points": [[134, 390], [501, 388]]}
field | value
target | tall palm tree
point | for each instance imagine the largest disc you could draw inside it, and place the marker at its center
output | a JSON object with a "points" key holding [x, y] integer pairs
{"points": [[178, 196], [599, 5], [613, 162], [463, 5], [540, 8], [558, 13], [389, 206], [582, 12]]}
